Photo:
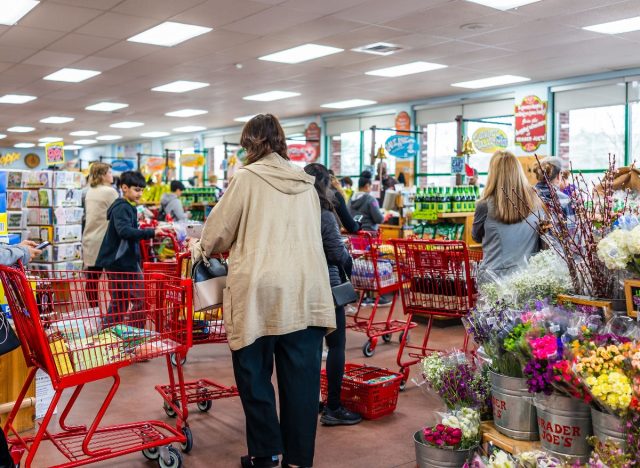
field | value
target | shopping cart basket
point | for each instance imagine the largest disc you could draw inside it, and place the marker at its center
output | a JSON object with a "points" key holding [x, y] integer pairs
{"points": [[207, 328], [161, 248], [438, 279], [374, 272], [137, 317]]}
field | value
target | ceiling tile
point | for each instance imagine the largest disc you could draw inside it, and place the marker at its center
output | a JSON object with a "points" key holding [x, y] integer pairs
{"points": [[325, 6], [52, 59], [272, 20], [99, 63], [455, 12], [159, 9], [15, 54], [361, 36], [82, 44], [116, 26], [32, 38], [216, 13], [127, 50], [59, 17], [315, 31], [97, 4], [382, 11]]}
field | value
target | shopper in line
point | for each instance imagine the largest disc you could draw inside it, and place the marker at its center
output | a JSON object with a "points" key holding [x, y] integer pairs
{"points": [[10, 254], [341, 208], [99, 197], [364, 205], [386, 181], [347, 187], [278, 302], [339, 263], [171, 205], [506, 218], [550, 169], [120, 252]]}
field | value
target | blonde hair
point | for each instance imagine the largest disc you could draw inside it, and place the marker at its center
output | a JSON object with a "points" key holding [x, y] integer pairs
{"points": [[97, 171], [513, 197]]}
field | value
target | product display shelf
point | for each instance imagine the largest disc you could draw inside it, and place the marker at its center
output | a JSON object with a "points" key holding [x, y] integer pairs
{"points": [[491, 435], [13, 364], [464, 218]]}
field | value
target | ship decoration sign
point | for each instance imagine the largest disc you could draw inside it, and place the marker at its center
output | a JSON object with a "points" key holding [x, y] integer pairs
{"points": [[489, 139], [531, 123], [402, 146]]}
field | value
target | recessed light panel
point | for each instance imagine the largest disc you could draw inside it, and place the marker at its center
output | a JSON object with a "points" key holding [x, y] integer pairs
{"points": [[180, 86], [301, 53], [57, 119], [169, 34], [72, 75], [348, 104], [107, 106], [85, 142], [50, 139], [244, 118], [492, 81], [271, 96], [13, 10], [154, 134], [2, 136], [406, 69], [186, 113], [503, 4], [21, 129], [16, 99], [72, 147], [108, 137], [616, 27], [24, 145], [189, 128], [83, 133], [126, 125]]}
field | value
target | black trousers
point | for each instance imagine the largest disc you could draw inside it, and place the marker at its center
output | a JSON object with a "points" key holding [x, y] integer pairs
{"points": [[336, 343], [5, 458], [127, 299], [93, 276], [298, 357]]}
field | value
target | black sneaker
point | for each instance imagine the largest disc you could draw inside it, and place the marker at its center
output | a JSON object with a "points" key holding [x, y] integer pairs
{"points": [[384, 300], [262, 462], [340, 417]]}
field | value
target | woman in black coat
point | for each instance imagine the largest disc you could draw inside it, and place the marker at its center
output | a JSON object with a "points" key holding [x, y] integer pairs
{"points": [[339, 264]]}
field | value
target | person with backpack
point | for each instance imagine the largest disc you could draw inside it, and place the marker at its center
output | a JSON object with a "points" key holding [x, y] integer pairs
{"points": [[171, 205]]}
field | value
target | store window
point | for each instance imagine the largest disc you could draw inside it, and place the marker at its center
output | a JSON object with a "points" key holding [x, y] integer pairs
{"points": [[345, 153], [381, 137]]}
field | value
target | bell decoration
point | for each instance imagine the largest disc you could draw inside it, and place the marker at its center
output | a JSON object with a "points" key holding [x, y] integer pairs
{"points": [[381, 153], [467, 148]]}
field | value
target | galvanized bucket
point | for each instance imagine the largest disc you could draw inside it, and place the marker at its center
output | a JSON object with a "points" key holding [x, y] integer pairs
{"points": [[428, 456], [608, 427], [513, 412], [564, 424]]}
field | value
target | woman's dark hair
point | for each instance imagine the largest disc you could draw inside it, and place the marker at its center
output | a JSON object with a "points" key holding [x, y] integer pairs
{"points": [[551, 171], [363, 181], [261, 136], [133, 179], [322, 184], [346, 181], [366, 175]]}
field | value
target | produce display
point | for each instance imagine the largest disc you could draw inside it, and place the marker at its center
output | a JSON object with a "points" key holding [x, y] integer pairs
{"points": [[152, 193]]}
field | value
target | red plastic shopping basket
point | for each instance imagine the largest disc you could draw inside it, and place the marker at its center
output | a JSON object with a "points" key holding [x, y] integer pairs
{"points": [[369, 391]]}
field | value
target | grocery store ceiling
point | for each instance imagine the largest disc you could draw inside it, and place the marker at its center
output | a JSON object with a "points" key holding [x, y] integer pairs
{"points": [[542, 41]]}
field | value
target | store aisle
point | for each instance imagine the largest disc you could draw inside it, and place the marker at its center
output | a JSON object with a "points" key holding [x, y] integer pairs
{"points": [[219, 435]]}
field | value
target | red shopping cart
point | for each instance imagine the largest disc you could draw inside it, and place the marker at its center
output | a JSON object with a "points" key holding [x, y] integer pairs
{"points": [[138, 317], [161, 248], [374, 272], [438, 279]]}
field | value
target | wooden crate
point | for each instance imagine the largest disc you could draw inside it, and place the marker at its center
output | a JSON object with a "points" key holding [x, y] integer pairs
{"points": [[491, 435]]}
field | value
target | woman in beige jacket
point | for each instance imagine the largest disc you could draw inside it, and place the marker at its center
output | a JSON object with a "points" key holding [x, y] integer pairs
{"points": [[278, 303], [99, 198]]}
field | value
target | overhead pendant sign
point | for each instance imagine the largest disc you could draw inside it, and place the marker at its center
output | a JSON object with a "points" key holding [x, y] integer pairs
{"points": [[489, 139], [402, 146], [302, 152], [192, 160], [122, 165], [531, 123], [54, 153]]}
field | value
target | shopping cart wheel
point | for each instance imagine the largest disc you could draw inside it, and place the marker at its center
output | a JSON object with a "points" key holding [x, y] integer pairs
{"points": [[402, 334], [368, 350], [405, 377], [188, 445], [205, 405], [169, 410], [151, 453], [387, 338], [174, 459], [174, 360]]}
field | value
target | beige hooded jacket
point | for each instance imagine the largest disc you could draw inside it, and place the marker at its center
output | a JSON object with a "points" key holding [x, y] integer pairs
{"points": [[269, 221]]}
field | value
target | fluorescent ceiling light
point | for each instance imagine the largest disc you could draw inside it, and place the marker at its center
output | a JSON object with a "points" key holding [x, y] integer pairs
{"points": [[2, 135], [186, 113], [180, 86], [189, 128], [503, 4], [154, 134], [245, 118], [348, 104], [492, 81], [20, 129], [13, 10], [126, 125], [72, 147], [301, 53], [108, 137], [107, 106], [24, 145], [406, 69], [16, 99], [616, 27], [50, 139], [85, 142], [271, 96], [83, 133], [71, 75], [169, 33], [57, 120]]}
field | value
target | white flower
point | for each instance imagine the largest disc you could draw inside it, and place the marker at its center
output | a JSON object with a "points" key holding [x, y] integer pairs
{"points": [[633, 241], [613, 251]]}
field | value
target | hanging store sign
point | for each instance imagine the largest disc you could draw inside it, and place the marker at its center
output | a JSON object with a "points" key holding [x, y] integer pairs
{"points": [[489, 139], [402, 146], [192, 160], [54, 153], [302, 152], [457, 165], [531, 123], [155, 164], [9, 158], [122, 165], [403, 123], [313, 134]]}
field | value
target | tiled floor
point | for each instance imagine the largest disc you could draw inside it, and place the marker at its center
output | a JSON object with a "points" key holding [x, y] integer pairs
{"points": [[219, 435]]}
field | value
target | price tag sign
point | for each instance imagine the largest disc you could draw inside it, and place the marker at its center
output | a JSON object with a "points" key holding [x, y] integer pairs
{"points": [[54, 153], [457, 165], [425, 215]]}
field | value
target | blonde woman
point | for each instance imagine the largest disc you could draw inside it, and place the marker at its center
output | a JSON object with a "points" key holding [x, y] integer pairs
{"points": [[506, 218], [99, 198]]}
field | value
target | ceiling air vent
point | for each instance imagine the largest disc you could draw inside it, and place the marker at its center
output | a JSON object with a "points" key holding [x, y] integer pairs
{"points": [[379, 48]]}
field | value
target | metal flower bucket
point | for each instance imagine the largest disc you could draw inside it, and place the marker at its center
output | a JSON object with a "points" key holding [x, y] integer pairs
{"points": [[428, 456], [564, 424], [513, 412], [608, 427]]}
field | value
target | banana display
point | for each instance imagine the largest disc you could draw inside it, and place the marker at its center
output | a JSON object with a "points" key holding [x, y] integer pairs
{"points": [[153, 193]]}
